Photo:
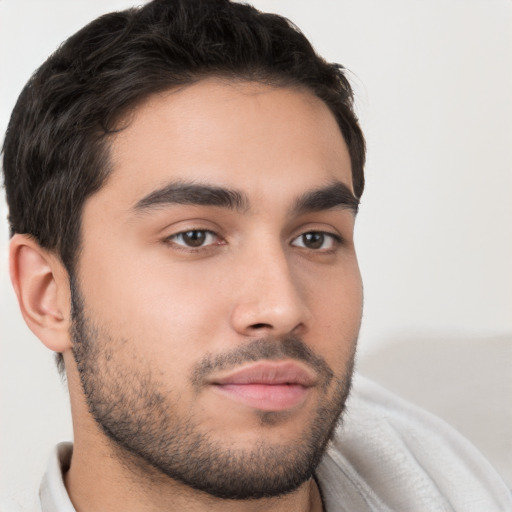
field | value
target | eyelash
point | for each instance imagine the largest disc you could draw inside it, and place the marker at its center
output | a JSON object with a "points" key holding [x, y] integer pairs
{"points": [[336, 240], [188, 248]]}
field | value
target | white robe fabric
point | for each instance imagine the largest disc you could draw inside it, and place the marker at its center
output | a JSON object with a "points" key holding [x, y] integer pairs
{"points": [[392, 456], [388, 455]]}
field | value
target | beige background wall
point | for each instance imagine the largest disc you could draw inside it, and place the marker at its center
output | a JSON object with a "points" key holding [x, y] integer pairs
{"points": [[433, 82]]}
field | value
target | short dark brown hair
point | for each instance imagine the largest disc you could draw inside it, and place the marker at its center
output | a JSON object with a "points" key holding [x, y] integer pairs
{"points": [[56, 149]]}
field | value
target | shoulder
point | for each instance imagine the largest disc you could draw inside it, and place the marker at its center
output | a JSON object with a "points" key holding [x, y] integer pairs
{"points": [[51, 494], [392, 455], [21, 502]]}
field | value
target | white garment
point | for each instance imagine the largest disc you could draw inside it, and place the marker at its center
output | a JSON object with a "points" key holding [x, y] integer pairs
{"points": [[387, 456], [390, 455]]}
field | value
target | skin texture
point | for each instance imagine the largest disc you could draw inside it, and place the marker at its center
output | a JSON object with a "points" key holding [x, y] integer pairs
{"points": [[156, 322]]}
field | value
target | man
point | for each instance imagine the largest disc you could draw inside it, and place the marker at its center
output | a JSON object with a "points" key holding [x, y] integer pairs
{"points": [[182, 182]]}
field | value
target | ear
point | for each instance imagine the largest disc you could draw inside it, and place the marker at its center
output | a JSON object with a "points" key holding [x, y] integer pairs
{"points": [[41, 284]]}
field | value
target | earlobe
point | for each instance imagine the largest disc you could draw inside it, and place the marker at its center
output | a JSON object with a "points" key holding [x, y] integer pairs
{"points": [[42, 286]]}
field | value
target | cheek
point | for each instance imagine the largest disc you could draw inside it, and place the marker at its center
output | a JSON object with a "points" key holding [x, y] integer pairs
{"points": [[167, 313], [336, 308]]}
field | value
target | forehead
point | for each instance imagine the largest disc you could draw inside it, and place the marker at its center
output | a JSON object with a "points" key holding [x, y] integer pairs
{"points": [[243, 135]]}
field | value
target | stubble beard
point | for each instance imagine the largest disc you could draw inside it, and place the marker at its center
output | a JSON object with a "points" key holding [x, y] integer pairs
{"points": [[141, 418]]}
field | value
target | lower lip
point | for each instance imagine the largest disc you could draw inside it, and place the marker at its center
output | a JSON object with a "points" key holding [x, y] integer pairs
{"points": [[266, 397]]}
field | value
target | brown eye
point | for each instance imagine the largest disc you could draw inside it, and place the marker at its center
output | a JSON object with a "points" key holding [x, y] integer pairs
{"points": [[317, 240], [313, 240], [194, 238]]}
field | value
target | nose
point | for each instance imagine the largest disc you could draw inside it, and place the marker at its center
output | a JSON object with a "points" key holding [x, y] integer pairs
{"points": [[269, 297]]}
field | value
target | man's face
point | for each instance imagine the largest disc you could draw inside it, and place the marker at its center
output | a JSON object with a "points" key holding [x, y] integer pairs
{"points": [[218, 293]]}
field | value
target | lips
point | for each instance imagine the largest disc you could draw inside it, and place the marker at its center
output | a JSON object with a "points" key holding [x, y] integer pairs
{"points": [[267, 386]]}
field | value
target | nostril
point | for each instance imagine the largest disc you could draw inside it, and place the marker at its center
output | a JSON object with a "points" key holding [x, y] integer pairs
{"points": [[260, 326]]}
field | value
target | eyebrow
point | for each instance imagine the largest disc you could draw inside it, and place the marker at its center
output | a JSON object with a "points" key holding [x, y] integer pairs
{"points": [[194, 194], [335, 195]]}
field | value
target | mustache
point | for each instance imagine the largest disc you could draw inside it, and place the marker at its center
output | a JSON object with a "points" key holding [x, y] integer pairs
{"points": [[268, 348]]}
